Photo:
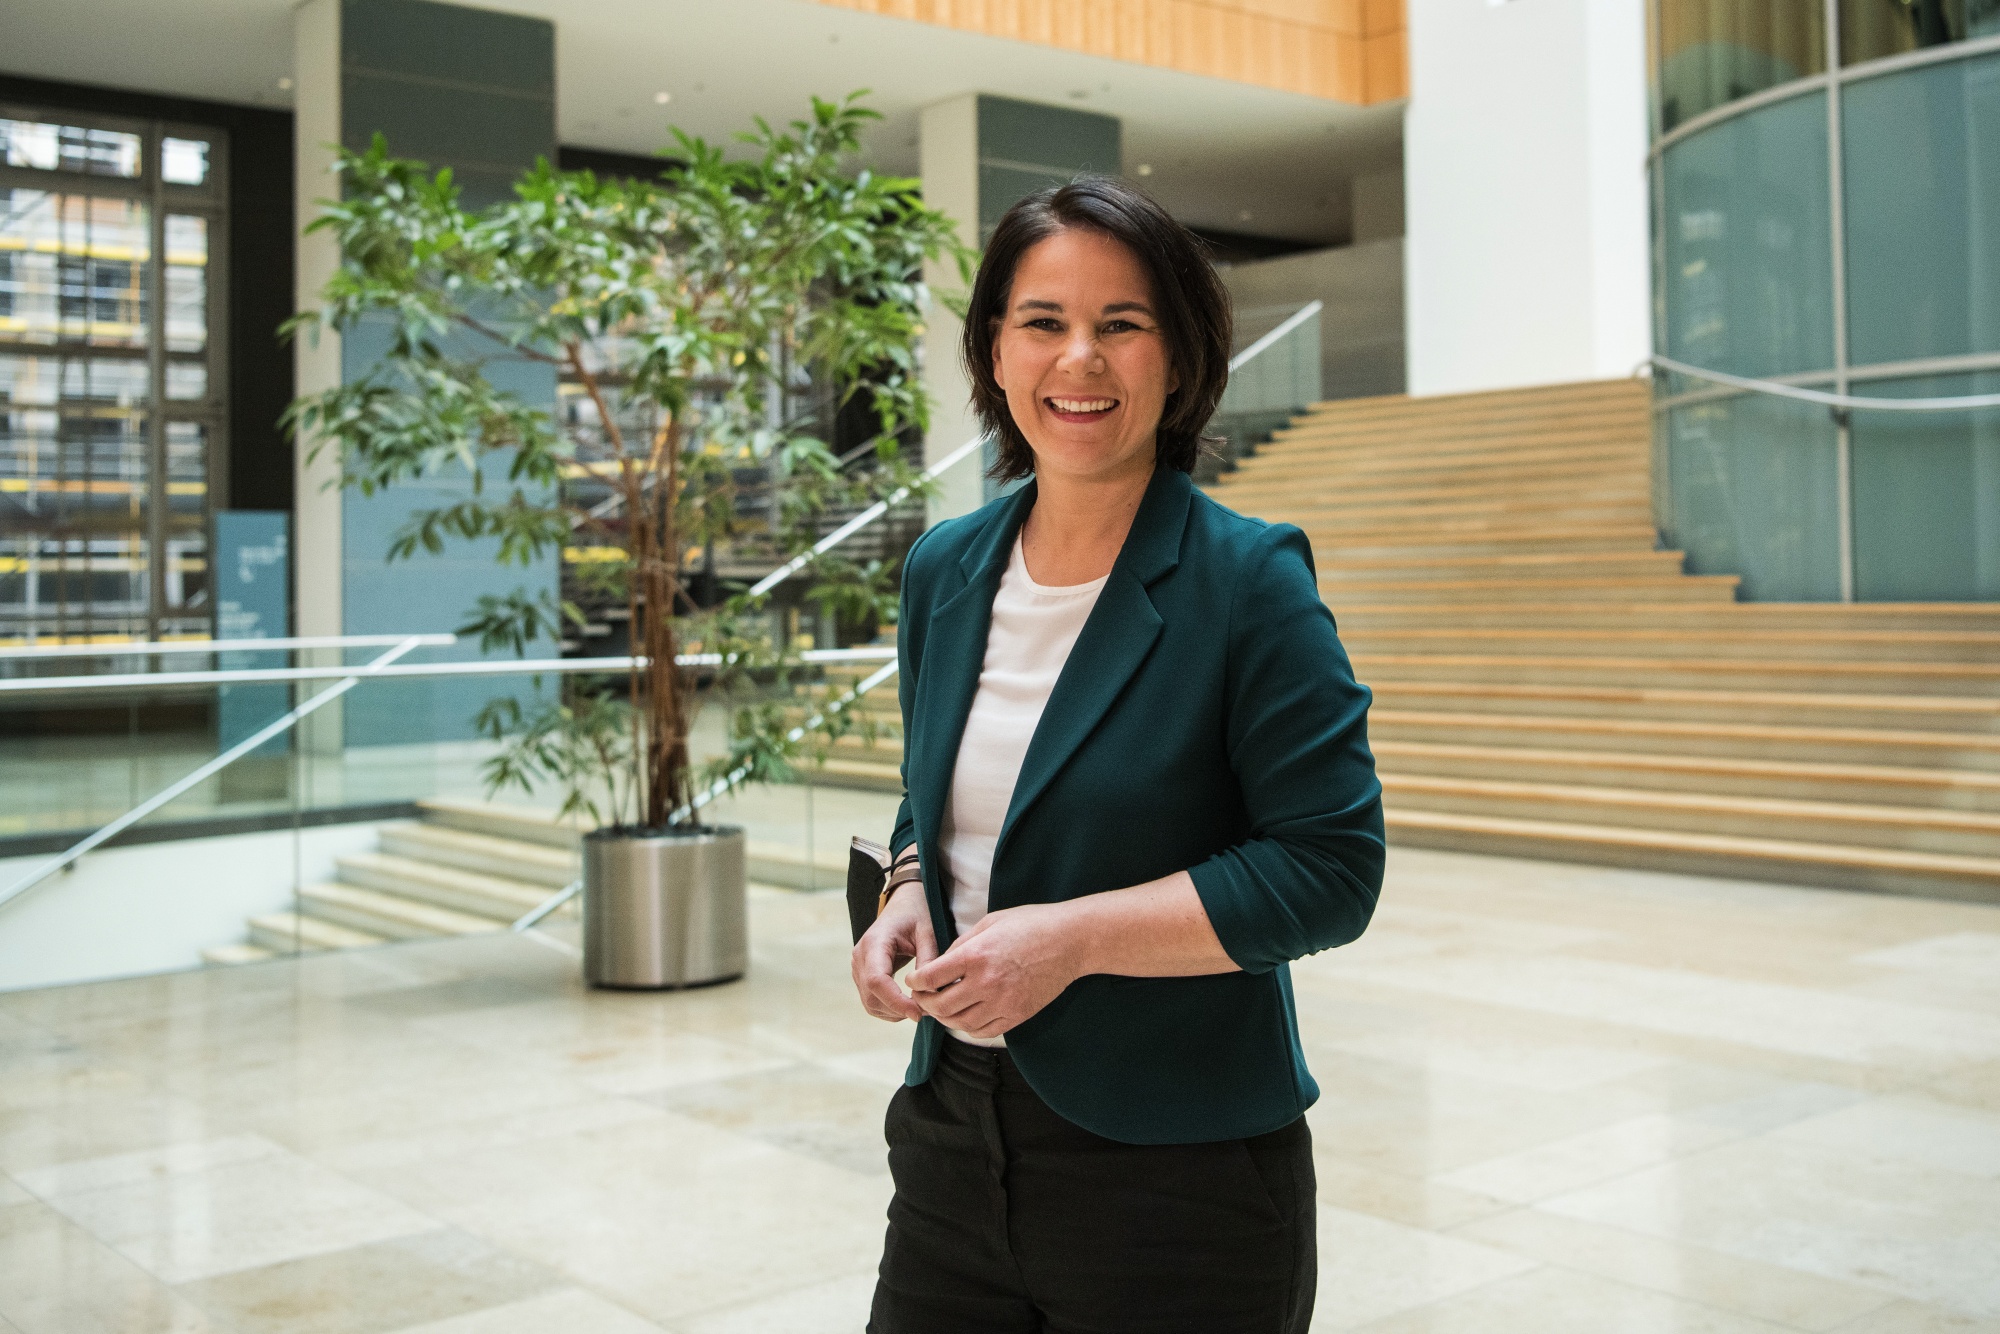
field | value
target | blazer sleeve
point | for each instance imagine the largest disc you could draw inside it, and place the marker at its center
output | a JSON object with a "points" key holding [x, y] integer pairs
{"points": [[1307, 876], [909, 653]]}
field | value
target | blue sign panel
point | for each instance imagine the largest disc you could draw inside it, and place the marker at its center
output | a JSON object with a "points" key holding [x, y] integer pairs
{"points": [[252, 571]]}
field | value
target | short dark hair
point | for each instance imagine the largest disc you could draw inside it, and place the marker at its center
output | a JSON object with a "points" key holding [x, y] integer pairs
{"points": [[1190, 301]]}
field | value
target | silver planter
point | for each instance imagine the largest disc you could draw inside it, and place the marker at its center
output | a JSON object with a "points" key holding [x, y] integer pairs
{"points": [[665, 910]]}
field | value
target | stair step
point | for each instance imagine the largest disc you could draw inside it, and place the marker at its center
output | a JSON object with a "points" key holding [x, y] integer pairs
{"points": [[388, 915], [1351, 592], [1684, 617], [1945, 713], [1951, 651], [228, 956], [1828, 745], [1458, 541], [1524, 511], [1793, 674], [1883, 869], [513, 859], [529, 824], [1533, 459], [864, 775], [1309, 487], [1335, 566], [1911, 828], [493, 899], [290, 932], [1797, 780]]}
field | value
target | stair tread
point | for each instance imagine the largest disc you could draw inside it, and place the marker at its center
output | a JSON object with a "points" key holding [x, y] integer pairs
{"points": [[1388, 750], [1914, 817], [316, 932], [231, 955], [438, 873], [1972, 706], [466, 840], [1939, 740], [375, 902], [1764, 849]]}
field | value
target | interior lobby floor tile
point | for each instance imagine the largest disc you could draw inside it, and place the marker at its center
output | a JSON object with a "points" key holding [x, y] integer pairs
{"points": [[1555, 1099]]}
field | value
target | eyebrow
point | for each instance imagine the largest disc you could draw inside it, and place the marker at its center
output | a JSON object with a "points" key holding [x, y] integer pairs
{"points": [[1115, 308]]}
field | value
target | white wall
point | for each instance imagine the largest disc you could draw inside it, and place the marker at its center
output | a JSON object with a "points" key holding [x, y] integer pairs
{"points": [[948, 155], [1524, 161], [154, 907]]}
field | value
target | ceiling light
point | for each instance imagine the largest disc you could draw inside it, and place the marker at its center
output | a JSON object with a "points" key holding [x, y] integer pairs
{"points": [[662, 98], [285, 84], [1244, 216], [1145, 169]]}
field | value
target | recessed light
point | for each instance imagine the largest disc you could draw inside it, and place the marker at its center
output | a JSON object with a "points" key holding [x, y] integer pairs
{"points": [[285, 84], [1144, 169], [1244, 216], [662, 98]]}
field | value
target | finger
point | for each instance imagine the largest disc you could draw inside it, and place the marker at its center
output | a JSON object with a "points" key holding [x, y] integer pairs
{"points": [[926, 941], [949, 1003], [885, 1000]]}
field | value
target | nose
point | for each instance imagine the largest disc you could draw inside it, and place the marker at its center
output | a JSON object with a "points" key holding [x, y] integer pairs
{"points": [[1080, 354]]}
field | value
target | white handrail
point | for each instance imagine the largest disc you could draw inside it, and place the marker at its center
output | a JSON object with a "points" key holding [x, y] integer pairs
{"points": [[860, 521], [1292, 321], [1840, 402], [241, 748], [490, 667], [164, 647]]}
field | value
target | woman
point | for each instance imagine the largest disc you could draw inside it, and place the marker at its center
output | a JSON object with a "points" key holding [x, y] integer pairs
{"points": [[1137, 785]]}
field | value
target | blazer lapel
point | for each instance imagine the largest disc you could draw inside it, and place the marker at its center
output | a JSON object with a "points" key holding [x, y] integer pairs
{"points": [[1114, 644], [954, 652]]}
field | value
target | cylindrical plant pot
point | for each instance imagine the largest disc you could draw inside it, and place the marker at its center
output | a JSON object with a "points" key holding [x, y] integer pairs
{"points": [[665, 909]]}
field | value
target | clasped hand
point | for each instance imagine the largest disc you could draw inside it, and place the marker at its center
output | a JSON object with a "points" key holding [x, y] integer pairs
{"points": [[1002, 972]]}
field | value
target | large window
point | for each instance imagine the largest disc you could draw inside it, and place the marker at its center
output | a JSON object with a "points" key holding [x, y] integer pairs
{"points": [[111, 369]]}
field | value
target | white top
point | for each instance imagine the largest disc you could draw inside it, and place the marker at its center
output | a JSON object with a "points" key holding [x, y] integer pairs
{"points": [[1028, 641]]}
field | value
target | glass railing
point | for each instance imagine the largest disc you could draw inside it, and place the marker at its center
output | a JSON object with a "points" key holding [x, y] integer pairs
{"points": [[310, 841], [1274, 375]]}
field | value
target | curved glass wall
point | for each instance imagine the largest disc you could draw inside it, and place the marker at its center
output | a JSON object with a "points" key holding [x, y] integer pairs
{"points": [[1826, 184]]}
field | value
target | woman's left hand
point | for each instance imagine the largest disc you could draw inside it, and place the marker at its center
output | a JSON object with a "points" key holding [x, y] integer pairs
{"points": [[1001, 972]]}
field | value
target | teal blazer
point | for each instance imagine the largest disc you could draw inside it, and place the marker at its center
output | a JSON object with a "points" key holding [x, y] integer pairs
{"points": [[1206, 721]]}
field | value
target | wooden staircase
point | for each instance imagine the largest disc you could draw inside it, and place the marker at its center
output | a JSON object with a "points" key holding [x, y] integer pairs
{"points": [[1549, 684]]}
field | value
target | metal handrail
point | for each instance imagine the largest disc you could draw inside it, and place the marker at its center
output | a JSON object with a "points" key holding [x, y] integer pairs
{"points": [[216, 765], [491, 667], [165, 647], [1838, 402], [1291, 322]]}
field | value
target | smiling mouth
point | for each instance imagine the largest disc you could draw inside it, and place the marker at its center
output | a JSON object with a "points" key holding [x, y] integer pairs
{"points": [[1080, 409]]}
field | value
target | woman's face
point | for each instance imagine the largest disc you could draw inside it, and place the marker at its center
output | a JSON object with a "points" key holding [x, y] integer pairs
{"points": [[1082, 359]]}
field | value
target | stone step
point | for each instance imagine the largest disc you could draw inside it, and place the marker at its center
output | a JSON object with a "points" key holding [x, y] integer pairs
{"points": [[1915, 829], [514, 859], [389, 915], [1597, 485], [496, 899], [290, 932], [1796, 780], [528, 824], [1533, 458], [1789, 861], [1685, 617], [1333, 515], [1471, 541], [1656, 736], [1943, 713], [228, 956]]}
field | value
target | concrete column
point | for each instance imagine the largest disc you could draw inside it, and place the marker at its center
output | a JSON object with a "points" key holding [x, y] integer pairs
{"points": [[1524, 155], [469, 89], [979, 156]]}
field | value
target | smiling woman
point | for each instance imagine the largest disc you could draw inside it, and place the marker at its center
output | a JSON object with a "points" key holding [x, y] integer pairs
{"points": [[1137, 784]]}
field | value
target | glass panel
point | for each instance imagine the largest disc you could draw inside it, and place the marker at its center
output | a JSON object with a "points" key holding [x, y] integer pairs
{"points": [[187, 381], [187, 528], [183, 161], [1754, 490], [1871, 29], [1712, 54], [1923, 212], [1927, 496], [187, 283], [79, 270], [1748, 279], [46, 146]]}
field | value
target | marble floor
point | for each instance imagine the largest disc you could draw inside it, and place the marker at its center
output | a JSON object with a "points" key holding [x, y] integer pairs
{"points": [[1557, 1099]]}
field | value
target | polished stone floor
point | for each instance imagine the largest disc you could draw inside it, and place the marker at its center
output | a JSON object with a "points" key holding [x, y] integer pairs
{"points": [[1558, 1100]]}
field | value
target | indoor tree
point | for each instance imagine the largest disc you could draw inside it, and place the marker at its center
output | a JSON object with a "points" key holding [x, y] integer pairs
{"points": [[683, 313]]}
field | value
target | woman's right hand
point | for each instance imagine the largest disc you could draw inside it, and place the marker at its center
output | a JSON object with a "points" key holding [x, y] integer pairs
{"points": [[901, 933]]}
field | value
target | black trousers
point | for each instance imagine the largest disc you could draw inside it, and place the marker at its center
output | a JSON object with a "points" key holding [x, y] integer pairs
{"points": [[1009, 1218]]}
